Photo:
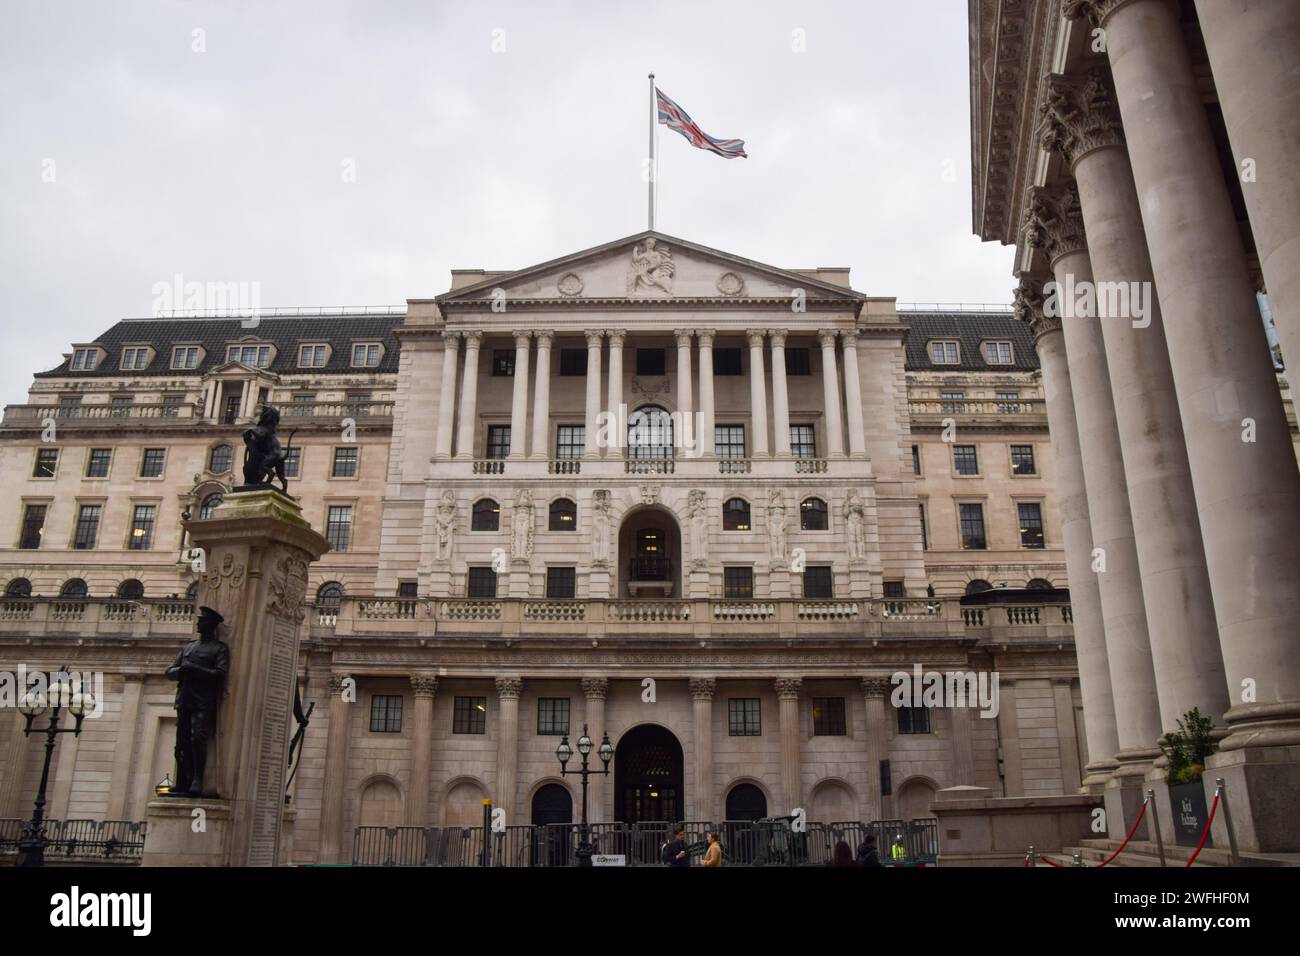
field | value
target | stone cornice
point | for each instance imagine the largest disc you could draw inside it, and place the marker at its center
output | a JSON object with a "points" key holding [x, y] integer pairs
{"points": [[1054, 221], [1078, 116]]}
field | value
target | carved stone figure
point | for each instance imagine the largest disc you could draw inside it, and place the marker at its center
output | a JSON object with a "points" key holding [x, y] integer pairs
{"points": [[855, 523], [776, 544], [697, 507], [446, 526], [200, 671], [264, 456], [600, 528], [651, 270], [523, 526]]}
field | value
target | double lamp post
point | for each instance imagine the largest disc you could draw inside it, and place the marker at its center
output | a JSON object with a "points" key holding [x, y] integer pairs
{"points": [[565, 753]]}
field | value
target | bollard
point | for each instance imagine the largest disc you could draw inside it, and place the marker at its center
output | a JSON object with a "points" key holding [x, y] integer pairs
{"points": [[1221, 791], [1033, 857], [1155, 825], [1078, 859]]}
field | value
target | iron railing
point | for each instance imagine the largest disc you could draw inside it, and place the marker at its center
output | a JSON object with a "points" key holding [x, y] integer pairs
{"points": [[74, 841]]}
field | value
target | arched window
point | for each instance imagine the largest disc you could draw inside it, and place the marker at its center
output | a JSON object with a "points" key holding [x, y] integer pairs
{"points": [[130, 589], [209, 505], [192, 592], [812, 515], [329, 594], [1039, 584], [650, 433], [74, 588], [978, 585], [564, 515], [219, 459], [18, 588], [486, 516], [735, 515]]}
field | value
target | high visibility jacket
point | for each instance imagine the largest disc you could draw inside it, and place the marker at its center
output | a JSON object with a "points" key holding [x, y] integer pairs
{"points": [[898, 852]]}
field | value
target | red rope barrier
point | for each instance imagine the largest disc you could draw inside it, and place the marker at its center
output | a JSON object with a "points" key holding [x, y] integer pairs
{"points": [[1141, 814], [1213, 807], [1132, 831], [1049, 861]]}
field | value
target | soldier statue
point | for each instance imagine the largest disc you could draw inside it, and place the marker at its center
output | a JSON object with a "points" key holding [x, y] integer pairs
{"points": [[200, 670]]}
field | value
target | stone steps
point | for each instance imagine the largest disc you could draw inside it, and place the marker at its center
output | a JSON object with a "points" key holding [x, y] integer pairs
{"points": [[1144, 854]]}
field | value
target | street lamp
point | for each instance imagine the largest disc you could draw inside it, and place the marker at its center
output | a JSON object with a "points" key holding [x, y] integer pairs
{"points": [[565, 753], [31, 848]]}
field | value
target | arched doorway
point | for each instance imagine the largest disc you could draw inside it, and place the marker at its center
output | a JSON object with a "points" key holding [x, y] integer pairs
{"points": [[649, 553], [552, 803], [552, 841], [648, 776], [746, 802], [914, 799]]}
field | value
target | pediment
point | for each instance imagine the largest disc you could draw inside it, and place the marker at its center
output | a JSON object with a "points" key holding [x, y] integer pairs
{"points": [[648, 267]]}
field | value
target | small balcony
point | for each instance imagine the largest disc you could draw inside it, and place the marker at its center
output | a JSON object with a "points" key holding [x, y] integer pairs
{"points": [[650, 575]]}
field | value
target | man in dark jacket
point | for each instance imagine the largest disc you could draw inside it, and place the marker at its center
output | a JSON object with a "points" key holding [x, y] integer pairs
{"points": [[674, 851], [867, 855]]}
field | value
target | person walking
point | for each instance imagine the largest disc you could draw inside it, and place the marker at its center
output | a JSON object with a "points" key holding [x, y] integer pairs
{"points": [[867, 855], [842, 856], [713, 855], [674, 851]]}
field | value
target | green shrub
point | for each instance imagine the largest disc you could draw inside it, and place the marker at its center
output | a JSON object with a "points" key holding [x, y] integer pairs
{"points": [[1187, 747]]}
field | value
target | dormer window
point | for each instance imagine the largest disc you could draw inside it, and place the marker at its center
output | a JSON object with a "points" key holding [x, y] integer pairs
{"points": [[313, 356], [945, 352], [997, 353], [254, 356], [85, 360], [136, 357], [366, 354], [185, 356]]}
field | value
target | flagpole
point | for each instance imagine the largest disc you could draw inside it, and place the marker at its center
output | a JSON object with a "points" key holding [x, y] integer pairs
{"points": [[653, 171]]}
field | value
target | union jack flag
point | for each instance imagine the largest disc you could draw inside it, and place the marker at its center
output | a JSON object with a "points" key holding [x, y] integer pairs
{"points": [[674, 117]]}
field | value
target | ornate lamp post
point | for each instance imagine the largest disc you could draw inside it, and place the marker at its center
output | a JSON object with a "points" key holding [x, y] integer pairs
{"points": [[31, 848], [565, 752]]}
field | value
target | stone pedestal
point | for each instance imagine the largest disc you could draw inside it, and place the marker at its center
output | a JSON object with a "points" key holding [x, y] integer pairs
{"points": [[859, 580], [258, 548], [1261, 784], [1123, 798], [598, 586], [779, 581], [699, 586]]}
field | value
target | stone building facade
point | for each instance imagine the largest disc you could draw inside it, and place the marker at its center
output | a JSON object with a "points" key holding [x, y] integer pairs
{"points": [[701, 504], [1139, 154]]}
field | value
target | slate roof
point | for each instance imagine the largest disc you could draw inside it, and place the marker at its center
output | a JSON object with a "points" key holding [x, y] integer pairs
{"points": [[970, 329], [286, 333]]}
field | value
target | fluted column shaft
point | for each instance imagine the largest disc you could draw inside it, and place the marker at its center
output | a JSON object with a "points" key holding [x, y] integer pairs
{"points": [[508, 690], [875, 745], [831, 395], [780, 395], [594, 690], [705, 337], [132, 688], [336, 771], [704, 800], [591, 446], [519, 397], [469, 397], [757, 396], [787, 692], [423, 687], [685, 406], [963, 759], [615, 385], [447, 395], [11, 783], [853, 394], [542, 398]]}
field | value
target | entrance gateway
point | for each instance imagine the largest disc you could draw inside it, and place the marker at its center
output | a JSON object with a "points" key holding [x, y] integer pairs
{"points": [[648, 776]]}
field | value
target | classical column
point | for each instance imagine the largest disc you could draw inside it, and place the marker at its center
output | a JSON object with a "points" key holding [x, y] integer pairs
{"points": [[542, 397], [853, 394], [705, 443], [594, 690], [423, 687], [591, 448], [875, 745], [1084, 127], [1085, 600], [831, 395], [684, 404], [519, 398], [963, 759], [757, 395], [614, 388], [787, 693], [508, 689], [780, 394], [1056, 224], [11, 782], [703, 800], [1238, 442], [447, 394], [469, 396], [1254, 49], [128, 718], [332, 844], [1066, 736]]}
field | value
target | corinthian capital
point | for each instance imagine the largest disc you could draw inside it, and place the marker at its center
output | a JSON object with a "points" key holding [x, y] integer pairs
{"points": [[1079, 115], [1097, 11], [595, 688], [787, 688], [595, 337], [702, 688], [508, 688], [1054, 221], [755, 337], [778, 337], [1028, 305]]}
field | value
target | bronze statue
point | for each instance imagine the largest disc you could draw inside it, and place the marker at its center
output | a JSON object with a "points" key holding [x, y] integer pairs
{"points": [[264, 457], [200, 670]]}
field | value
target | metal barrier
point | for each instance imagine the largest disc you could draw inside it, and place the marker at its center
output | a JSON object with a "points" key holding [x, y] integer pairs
{"points": [[74, 841]]}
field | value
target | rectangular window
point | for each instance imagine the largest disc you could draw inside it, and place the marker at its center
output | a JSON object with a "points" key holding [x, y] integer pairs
{"points": [[292, 462], [503, 363], [650, 361], [143, 518], [818, 582], [1022, 460], [254, 356], [152, 461], [803, 441], [87, 532], [98, 462], [828, 717], [85, 360], [300, 404], [729, 441], [913, 720], [498, 441], [561, 583], [185, 356], [171, 405], [70, 406], [313, 356], [972, 527], [345, 462], [944, 352], [737, 583], [997, 353], [469, 715], [134, 358], [552, 716], [798, 362], [953, 403], [1008, 403], [47, 463], [1031, 524], [481, 582], [365, 355], [573, 361], [726, 361], [408, 589], [33, 527], [744, 717], [894, 589], [570, 440], [120, 405], [916, 459], [925, 538], [338, 527], [386, 714], [965, 461]]}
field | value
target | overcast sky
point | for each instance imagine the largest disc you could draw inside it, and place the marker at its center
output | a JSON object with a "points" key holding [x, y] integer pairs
{"points": [[341, 153]]}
